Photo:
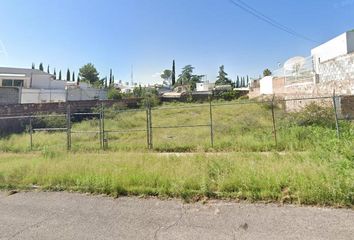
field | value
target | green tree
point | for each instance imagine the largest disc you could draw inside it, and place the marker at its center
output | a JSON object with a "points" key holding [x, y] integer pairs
{"points": [[267, 72], [166, 75], [33, 66], [78, 80], [188, 78], [55, 74], [173, 73], [41, 67], [68, 75], [59, 74], [88, 73], [222, 78], [73, 78], [48, 69]]}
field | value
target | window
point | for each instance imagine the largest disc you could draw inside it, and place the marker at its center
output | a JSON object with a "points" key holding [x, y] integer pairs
{"points": [[12, 83], [7, 83], [18, 83]]}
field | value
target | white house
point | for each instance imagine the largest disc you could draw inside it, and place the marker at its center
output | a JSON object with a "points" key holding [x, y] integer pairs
{"points": [[338, 46], [266, 85], [204, 86], [35, 86]]}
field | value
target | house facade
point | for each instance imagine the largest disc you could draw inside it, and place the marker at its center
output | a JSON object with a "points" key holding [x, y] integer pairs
{"points": [[329, 68], [20, 85]]}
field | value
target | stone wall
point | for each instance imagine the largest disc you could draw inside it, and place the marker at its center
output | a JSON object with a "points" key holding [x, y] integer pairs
{"points": [[9, 95], [338, 69], [347, 107]]}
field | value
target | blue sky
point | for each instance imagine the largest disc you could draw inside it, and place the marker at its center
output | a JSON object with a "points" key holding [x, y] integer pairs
{"points": [[149, 34]]}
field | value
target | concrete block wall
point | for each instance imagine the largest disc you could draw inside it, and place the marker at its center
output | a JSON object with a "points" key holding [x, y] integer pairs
{"points": [[9, 95]]}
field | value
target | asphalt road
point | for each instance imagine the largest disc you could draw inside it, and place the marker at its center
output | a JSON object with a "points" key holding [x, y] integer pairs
{"points": [[40, 215]]}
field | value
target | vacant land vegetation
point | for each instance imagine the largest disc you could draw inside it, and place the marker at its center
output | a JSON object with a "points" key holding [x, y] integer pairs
{"points": [[308, 165]]}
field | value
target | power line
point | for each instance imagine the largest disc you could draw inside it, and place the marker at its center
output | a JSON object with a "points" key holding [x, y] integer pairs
{"points": [[263, 17]]}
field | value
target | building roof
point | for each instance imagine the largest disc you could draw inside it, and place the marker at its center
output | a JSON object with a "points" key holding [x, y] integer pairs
{"points": [[26, 71]]}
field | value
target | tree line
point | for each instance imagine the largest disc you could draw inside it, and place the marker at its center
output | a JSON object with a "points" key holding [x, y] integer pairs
{"points": [[87, 73], [187, 77]]}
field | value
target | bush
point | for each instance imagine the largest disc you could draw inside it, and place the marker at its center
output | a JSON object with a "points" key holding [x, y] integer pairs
{"points": [[314, 114], [227, 95], [114, 94], [150, 100], [49, 122]]}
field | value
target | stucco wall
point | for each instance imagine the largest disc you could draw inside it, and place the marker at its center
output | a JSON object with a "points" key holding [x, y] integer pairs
{"points": [[329, 50], [350, 41], [61, 95], [266, 85], [45, 82]]}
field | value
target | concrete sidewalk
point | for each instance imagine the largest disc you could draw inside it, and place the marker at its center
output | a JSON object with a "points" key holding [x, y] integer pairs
{"points": [[41, 215]]}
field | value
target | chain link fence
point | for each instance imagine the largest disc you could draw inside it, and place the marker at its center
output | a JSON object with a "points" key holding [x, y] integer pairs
{"points": [[255, 125]]}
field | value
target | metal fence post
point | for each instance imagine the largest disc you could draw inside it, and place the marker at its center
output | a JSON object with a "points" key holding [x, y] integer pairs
{"points": [[100, 128], [68, 128], [31, 133], [335, 113], [211, 123], [104, 139], [150, 126], [147, 127], [274, 127]]}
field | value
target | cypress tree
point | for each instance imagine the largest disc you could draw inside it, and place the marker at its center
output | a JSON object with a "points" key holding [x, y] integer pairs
{"points": [[48, 69], [173, 73], [110, 77], [55, 74], [41, 67], [68, 75], [33, 66], [73, 78], [78, 80], [59, 74]]}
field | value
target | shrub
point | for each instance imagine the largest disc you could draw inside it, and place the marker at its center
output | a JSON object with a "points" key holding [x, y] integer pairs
{"points": [[314, 114], [114, 94]]}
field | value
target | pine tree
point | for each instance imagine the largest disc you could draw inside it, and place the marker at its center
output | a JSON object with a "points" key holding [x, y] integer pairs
{"points": [[59, 74], [222, 78], [68, 75], [48, 69], [41, 67], [33, 66], [73, 78], [173, 73]]}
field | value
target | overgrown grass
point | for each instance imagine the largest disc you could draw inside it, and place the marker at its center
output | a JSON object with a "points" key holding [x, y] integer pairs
{"points": [[309, 165], [301, 178], [242, 127]]}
